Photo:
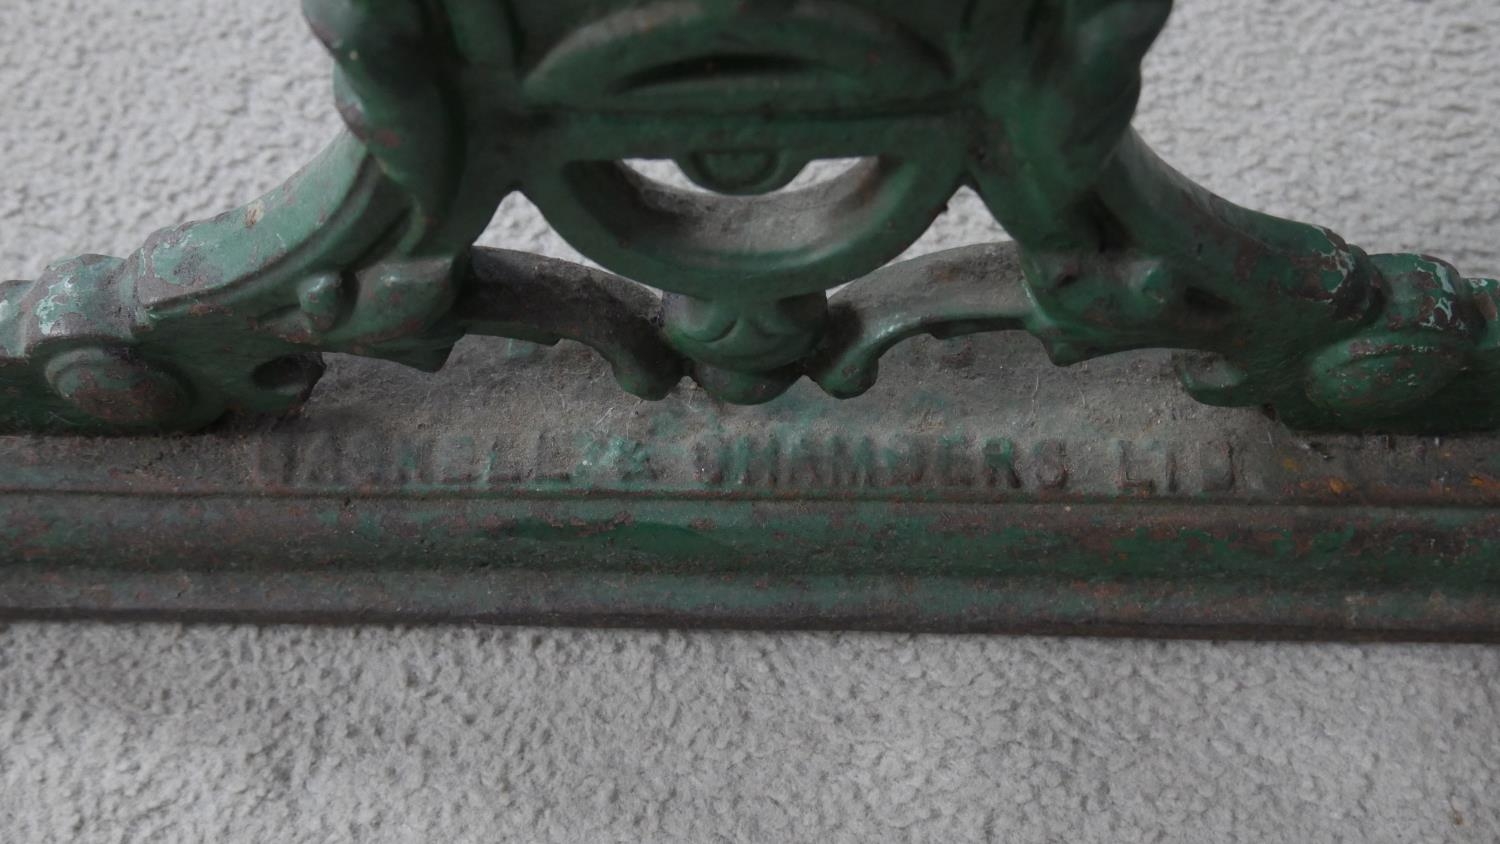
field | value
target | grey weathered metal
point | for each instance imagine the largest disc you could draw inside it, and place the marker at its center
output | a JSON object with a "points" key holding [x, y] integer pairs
{"points": [[1309, 486]]}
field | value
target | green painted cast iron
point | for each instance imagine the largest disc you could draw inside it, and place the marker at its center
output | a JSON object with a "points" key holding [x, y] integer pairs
{"points": [[976, 521]]}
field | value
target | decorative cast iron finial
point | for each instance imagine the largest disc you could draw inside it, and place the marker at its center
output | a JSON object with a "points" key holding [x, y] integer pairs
{"points": [[453, 104]]}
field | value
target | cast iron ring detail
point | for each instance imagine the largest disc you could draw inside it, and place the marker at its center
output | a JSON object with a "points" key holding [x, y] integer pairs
{"points": [[453, 104]]}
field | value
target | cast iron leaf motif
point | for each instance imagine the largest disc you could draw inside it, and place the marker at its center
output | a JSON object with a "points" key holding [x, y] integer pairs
{"points": [[451, 105]]}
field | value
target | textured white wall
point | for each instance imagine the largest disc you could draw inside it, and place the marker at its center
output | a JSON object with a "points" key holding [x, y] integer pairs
{"points": [[1374, 117]]}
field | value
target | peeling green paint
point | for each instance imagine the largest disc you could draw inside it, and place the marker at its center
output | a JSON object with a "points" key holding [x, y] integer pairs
{"points": [[452, 107]]}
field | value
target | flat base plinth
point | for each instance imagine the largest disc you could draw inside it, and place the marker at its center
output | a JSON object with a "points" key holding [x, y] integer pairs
{"points": [[975, 488]]}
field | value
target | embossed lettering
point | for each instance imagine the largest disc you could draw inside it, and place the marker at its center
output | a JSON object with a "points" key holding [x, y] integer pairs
{"points": [[1000, 463], [906, 461], [806, 462], [1216, 463], [1051, 458], [1146, 468], [852, 464]]}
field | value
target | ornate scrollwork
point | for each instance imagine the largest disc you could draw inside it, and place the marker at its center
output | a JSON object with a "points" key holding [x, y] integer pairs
{"points": [[453, 104]]}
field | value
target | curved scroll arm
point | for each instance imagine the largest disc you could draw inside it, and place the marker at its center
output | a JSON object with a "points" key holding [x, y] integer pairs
{"points": [[1291, 316], [225, 313], [946, 294], [543, 300]]}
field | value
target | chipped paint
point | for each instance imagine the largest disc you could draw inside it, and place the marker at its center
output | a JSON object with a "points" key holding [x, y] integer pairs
{"points": [[970, 496]]}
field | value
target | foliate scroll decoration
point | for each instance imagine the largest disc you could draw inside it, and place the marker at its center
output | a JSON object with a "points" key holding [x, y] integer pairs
{"points": [[453, 104]]}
